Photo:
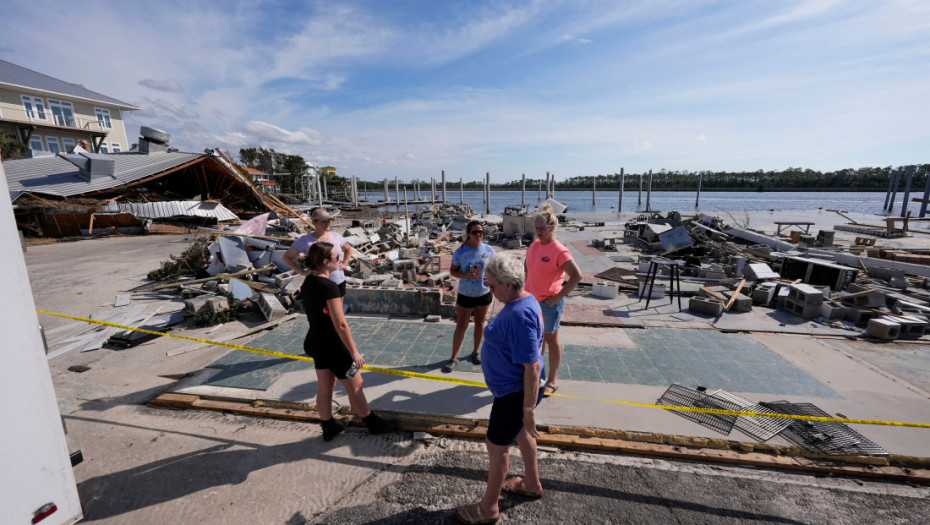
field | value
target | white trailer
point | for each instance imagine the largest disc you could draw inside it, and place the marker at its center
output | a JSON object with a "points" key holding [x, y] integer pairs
{"points": [[38, 481]]}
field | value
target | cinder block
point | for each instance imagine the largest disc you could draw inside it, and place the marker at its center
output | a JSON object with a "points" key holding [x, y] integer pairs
{"points": [[807, 311], [781, 296], [859, 316], [270, 306], [805, 295], [743, 303], [763, 293], [884, 329], [605, 290], [911, 327], [706, 305], [758, 272], [832, 310]]}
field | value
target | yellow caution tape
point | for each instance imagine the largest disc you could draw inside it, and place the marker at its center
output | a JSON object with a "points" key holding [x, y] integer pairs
{"points": [[447, 379]]}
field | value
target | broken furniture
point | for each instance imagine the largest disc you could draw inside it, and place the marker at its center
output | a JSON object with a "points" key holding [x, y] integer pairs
{"points": [[805, 225], [818, 272], [674, 279]]}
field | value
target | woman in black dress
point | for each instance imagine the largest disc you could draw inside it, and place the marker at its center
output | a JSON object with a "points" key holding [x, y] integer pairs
{"points": [[329, 342]]}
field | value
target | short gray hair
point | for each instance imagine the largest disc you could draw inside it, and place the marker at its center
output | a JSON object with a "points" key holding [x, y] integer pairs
{"points": [[505, 268]]}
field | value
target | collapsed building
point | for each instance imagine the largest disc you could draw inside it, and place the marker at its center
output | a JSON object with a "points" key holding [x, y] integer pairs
{"points": [[81, 192]]}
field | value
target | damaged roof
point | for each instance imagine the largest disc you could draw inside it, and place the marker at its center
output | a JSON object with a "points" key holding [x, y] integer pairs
{"points": [[207, 176], [56, 175]]}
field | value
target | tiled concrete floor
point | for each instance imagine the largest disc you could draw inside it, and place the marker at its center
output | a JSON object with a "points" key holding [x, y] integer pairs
{"points": [[660, 357]]}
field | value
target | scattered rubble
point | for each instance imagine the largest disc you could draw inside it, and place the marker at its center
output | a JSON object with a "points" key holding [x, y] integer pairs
{"points": [[882, 293]]}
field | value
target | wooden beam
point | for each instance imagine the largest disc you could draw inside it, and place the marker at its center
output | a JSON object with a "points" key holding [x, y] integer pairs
{"points": [[733, 298], [714, 295]]}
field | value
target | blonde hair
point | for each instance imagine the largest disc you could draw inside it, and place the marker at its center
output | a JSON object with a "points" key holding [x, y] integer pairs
{"points": [[547, 216], [505, 268]]}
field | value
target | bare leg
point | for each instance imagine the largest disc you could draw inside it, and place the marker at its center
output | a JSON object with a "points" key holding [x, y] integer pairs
{"points": [[498, 466], [555, 355], [480, 313], [326, 382], [462, 318], [357, 400], [527, 445]]}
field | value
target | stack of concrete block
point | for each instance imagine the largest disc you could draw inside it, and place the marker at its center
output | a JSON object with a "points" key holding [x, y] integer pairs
{"points": [[884, 329], [911, 327], [763, 293], [706, 305], [407, 269], [605, 290], [804, 300], [825, 238], [864, 299]]}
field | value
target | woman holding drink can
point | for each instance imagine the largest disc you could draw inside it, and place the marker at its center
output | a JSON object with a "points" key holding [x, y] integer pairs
{"points": [[474, 296]]}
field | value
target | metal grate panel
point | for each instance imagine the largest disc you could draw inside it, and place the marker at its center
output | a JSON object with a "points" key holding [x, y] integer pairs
{"points": [[823, 436], [678, 395], [759, 428]]}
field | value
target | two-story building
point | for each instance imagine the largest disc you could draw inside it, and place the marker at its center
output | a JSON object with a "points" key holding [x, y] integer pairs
{"points": [[52, 116]]}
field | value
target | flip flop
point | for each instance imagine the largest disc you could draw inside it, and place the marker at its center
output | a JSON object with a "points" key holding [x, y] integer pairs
{"points": [[550, 388], [517, 486], [464, 516]]}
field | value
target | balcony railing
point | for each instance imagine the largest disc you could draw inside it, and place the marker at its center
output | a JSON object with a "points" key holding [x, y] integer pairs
{"points": [[65, 121]]}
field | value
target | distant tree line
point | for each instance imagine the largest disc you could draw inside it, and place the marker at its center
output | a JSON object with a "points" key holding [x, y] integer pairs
{"points": [[287, 169], [790, 179]]}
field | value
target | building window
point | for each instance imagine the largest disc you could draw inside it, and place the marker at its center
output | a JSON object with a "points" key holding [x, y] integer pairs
{"points": [[35, 108], [115, 148], [103, 118], [103, 148], [62, 112], [35, 143], [68, 144], [53, 144]]}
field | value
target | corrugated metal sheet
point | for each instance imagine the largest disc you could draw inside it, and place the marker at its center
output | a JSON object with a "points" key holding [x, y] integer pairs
{"points": [[19, 76], [168, 209], [54, 175]]}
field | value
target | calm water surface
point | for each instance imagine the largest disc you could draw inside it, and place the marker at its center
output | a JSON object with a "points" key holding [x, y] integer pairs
{"points": [[683, 201]]}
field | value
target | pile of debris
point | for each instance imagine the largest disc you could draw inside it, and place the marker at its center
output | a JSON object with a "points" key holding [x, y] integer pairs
{"points": [[811, 278]]}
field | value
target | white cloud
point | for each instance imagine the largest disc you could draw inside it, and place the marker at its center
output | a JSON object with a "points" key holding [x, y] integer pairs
{"points": [[576, 40], [265, 132]]}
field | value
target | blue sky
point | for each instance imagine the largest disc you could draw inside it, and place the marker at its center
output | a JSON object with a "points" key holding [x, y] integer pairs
{"points": [[410, 88]]}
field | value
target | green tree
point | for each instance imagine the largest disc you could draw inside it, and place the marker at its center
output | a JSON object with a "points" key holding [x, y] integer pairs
{"points": [[10, 148]]}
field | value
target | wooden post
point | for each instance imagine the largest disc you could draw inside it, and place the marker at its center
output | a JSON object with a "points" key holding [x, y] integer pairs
{"points": [[907, 190], [406, 218], [888, 193], [894, 189], [443, 186], [923, 203], [487, 185], [697, 201], [548, 182], [620, 200], [387, 197], [649, 192], [639, 198], [523, 192], [461, 191]]}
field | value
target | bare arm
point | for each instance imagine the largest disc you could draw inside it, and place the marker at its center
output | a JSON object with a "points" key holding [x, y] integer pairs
{"points": [[347, 252], [574, 277], [531, 373], [342, 328], [290, 259]]}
